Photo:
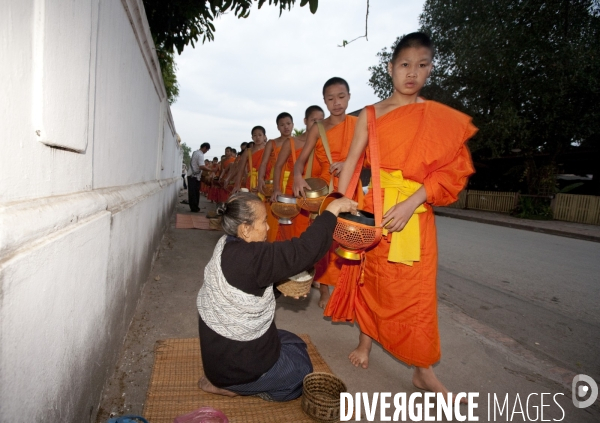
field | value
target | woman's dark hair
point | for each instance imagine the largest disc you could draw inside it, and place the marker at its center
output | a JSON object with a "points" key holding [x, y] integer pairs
{"points": [[309, 111], [258, 127], [334, 81], [283, 115], [239, 208], [413, 40]]}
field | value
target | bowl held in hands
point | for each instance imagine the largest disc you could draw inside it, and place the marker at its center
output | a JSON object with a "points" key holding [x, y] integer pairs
{"points": [[285, 209]]}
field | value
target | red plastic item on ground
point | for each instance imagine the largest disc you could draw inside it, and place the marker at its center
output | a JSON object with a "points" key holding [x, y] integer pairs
{"points": [[203, 415]]}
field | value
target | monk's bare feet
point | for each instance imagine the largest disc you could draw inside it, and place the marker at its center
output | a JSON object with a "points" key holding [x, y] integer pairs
{"points": [[206, 386], [425, 379], [324, 290], [360, 356]]}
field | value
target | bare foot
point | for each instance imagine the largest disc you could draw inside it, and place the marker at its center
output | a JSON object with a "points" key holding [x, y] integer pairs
{"points": [[324, 289], [206, 386], [425, 379], [360, 356], [316, 284]]}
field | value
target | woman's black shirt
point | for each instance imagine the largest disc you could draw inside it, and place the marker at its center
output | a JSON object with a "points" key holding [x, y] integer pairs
{"points": [[252, 267]]}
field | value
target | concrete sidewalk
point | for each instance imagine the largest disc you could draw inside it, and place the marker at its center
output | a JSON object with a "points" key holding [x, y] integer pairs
{"points": [[552, 227], [475, 357]]}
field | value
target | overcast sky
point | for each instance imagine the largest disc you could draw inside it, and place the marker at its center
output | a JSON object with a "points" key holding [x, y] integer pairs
{"points": [[266, 64]]}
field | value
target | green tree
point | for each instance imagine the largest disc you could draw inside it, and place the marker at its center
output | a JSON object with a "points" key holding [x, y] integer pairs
{"points": [[298, 132], [177, 23], [186, 153], [527, 71]]}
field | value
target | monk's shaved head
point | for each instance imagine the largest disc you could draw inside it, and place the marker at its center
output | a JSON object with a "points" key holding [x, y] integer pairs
{"points": [[413, 40], [283, 116], [335, 81], [309, 111]]}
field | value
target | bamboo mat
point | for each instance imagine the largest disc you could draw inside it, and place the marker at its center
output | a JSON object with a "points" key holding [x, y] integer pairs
{"points": [[173, 389], [192, 221]]}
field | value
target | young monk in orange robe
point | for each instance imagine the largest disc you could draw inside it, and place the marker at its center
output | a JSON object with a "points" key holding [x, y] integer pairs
{"points": [[249, 163], [213, 192], [286, 160], [339, 129], [423, 162], [225, 167], [285, 125]]}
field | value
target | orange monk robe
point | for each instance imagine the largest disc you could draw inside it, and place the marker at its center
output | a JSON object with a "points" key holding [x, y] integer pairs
{"points": [[339, 138], [256, 159], [213, 192], [223, 193], [301, 222], [397, 304], [272, 220]]}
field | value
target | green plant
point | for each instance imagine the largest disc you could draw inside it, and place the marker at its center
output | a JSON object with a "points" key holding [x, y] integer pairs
{"points": [[533, 207]]}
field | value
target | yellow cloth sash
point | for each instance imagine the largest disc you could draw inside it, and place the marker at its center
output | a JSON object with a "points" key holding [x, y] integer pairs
{"points": [[405, 247], [253, 178], [286, 176]]}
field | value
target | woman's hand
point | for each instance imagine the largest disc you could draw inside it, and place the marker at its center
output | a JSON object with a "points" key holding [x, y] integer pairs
{"points": [[235, 188], [343, 205], [398, 216], [299, 185], [336, 168]]}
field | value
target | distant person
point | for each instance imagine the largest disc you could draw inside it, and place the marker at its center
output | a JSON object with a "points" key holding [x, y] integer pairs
{"points": [[197, 166], [183, 174], [424, 162]]}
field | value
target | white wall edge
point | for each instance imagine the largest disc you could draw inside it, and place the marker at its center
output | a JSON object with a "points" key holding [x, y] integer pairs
{"points": [[139, 23], [23, 222]]}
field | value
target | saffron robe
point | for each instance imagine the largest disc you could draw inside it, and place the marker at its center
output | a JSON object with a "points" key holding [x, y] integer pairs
{"points": [[223, 193], [272, 220], [339, 138], [396, 304], [213, 192], [301, 222]]}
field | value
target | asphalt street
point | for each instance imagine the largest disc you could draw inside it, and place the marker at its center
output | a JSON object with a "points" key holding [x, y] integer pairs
{"points": [[538, 289]]}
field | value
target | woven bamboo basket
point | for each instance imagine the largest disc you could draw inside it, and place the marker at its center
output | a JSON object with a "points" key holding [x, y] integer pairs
{"points": [[295, 288], [211, 214], [321, 396]]}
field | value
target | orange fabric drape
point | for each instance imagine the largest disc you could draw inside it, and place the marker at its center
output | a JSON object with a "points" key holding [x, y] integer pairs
{"points": [[272, 220], [223, 193], [396, 304], [339, 138], [301, 222]]}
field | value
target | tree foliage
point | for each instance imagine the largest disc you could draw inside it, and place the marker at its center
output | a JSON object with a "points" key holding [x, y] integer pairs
{"points": [[526, 70], [187, 150], [177, 23]]}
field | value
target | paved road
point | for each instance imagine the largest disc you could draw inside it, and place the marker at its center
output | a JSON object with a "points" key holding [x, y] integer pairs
{"points": [[541, 290]]}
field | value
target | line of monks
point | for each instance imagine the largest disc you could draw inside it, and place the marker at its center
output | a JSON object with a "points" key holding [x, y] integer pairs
{"points": [[417, 151]]}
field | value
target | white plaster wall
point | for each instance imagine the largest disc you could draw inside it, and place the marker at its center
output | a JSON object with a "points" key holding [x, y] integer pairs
{"points": [[89, 174]]}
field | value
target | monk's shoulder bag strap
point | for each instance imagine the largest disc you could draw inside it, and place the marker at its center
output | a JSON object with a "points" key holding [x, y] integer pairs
{"points": [[325, 142]]}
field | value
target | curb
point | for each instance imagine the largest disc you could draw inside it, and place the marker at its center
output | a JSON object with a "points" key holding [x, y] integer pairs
{"points": [[524, 227]]}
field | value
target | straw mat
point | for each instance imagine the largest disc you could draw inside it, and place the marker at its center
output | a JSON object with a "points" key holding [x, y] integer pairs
{"points": [[173, 389], [191, 221]]}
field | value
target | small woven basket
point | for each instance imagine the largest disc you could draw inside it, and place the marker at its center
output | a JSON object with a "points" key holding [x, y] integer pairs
{"points": [[321, 396], [294, 288]]}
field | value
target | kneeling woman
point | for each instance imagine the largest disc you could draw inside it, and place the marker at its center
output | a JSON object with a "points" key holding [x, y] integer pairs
{"points": [[243, 353]]}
